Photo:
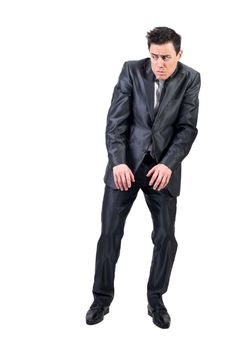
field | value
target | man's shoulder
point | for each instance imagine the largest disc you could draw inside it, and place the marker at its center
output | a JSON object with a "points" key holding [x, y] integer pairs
{"points": [[188, 70], [137, 64]]}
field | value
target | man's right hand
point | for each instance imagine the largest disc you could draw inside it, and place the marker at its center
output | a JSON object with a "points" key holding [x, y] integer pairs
{"points": [[123, 177]]}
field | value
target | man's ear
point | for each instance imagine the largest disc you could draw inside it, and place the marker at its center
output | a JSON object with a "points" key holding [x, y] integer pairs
{"points": [[180, 53]]}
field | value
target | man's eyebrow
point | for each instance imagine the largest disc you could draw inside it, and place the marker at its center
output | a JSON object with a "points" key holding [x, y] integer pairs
{"points": [[155, 54]]}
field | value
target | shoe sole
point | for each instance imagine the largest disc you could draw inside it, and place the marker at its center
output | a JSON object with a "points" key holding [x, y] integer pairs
{"points": [[98, 321], [158, 325]]}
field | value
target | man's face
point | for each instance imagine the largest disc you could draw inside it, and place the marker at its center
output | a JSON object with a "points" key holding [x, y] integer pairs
{"points": [[163, 60]]}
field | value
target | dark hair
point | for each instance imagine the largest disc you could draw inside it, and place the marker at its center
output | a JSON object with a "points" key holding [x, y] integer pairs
{"points": [[163, 35]]}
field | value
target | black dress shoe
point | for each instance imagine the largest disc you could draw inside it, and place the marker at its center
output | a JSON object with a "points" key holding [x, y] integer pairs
{"points": [[96, 313], [161, 317]]}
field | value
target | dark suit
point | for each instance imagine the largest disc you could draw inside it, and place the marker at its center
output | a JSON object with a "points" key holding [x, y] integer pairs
{"points": [[131, 125], [131, 128]]}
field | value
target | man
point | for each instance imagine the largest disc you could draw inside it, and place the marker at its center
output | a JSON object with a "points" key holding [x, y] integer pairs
{"points": [[151, 126]]}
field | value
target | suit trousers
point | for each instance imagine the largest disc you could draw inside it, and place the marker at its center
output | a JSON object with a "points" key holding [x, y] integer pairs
{"points": [[115, 209]]}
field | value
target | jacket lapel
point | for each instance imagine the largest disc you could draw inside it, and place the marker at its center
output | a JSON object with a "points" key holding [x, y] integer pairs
{"points": [[149, 88], [170, 87]]}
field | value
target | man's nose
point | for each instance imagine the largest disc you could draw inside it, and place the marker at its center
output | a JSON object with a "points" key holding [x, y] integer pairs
{"points": [[160, 62]]}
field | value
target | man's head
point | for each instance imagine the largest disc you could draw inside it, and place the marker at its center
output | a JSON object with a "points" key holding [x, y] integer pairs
{"points": [[164, 47]]}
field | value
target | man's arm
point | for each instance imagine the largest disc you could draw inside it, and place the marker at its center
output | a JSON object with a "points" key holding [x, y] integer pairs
{"points": [[185, 129], [117, 118], [185, 134], [117, 128]]}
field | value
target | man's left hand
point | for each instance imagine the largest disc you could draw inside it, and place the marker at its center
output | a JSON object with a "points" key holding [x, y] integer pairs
{"points": [[161, 175]]}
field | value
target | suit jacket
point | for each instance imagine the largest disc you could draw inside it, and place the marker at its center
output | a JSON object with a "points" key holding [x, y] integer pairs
{"points": [[132, 127]]}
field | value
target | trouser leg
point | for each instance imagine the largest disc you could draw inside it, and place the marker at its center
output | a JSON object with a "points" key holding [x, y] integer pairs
{"points": [[115, 208], [163, 211]]}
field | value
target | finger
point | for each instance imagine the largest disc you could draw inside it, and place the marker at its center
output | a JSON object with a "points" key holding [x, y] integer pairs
{"points": [[119, 181], [124, 182], [153, 178], [116, 181], [150, 172], [163, 183], [167, 179], [157, 182], [132, 176], [128, 179]]}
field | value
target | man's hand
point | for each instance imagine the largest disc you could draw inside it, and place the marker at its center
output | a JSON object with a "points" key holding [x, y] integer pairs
{"points": [[161, 175], [123, 177]]}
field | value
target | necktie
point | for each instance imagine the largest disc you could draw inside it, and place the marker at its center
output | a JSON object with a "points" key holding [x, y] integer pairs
{"points": [[159, 86]]}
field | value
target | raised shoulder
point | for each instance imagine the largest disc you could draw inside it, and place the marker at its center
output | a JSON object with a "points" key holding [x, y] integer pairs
{"points": [[190, 72]]}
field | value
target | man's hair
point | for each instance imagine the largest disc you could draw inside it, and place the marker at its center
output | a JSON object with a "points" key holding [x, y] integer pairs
{"points": [[163, 35]]}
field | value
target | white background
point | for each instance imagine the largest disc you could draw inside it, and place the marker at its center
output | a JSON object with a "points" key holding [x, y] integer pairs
{"points": [[59, 63]]}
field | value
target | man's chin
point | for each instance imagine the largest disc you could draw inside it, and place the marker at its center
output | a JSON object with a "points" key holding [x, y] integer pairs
{"points": [[161, 76]]}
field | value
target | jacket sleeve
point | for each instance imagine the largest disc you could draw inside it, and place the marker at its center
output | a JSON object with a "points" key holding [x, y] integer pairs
{"points": [[185, 128], [118, 118]]}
